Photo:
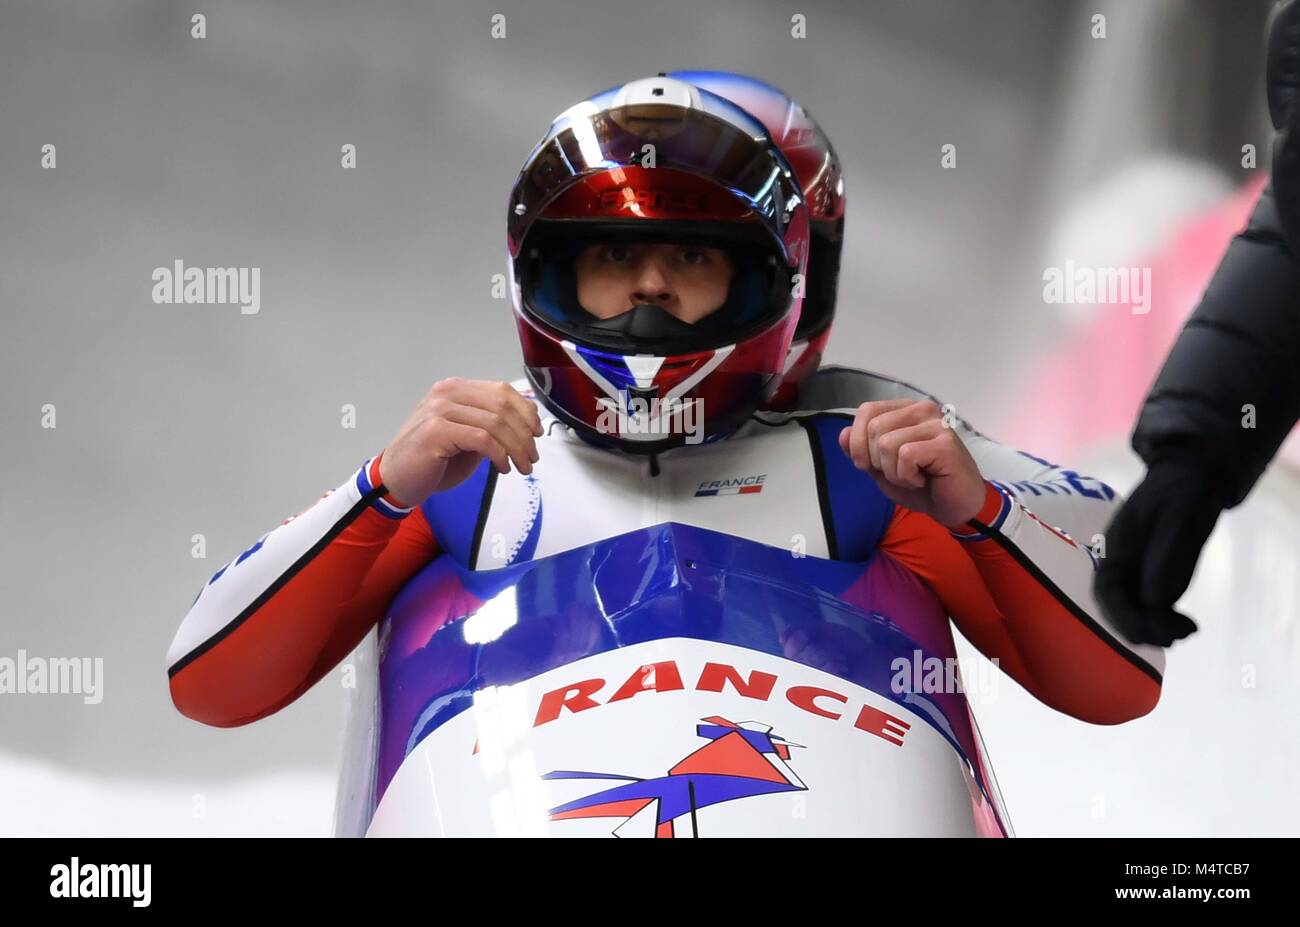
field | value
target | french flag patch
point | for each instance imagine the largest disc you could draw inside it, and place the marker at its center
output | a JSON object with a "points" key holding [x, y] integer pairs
{"points": [[739, 486]]}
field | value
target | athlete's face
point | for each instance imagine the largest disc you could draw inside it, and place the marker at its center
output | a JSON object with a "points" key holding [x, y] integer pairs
{"points": [[688, 281]]}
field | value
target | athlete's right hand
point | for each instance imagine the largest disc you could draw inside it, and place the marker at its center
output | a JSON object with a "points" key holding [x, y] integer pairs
{"points": [[457, 424]]}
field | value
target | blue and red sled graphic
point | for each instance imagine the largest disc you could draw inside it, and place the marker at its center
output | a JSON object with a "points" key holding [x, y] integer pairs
{"points": [[741, 760]]}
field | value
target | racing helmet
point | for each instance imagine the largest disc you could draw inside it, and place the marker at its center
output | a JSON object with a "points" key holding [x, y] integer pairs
{"points": [[817, 167], [657, 160]]}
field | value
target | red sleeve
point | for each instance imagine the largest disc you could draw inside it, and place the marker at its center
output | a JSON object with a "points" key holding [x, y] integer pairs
{"points": [[267, 637], [1010, 608]]}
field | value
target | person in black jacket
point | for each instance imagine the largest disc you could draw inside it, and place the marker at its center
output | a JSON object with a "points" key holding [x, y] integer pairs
{"points": [[1228, 394]]}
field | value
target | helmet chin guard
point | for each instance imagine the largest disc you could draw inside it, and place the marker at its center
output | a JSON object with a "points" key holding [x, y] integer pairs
{"points": [[656, 161]]}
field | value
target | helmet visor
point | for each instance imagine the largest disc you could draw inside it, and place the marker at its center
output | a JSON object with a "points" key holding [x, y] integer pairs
{"points": [[555, 278], [628, 146]]}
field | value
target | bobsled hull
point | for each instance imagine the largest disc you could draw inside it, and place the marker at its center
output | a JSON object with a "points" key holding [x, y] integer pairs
{"points": [[669, 682]]}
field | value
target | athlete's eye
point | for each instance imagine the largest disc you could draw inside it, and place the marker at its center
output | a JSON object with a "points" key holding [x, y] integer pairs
{"points": [[618, 254], [693, 256]]}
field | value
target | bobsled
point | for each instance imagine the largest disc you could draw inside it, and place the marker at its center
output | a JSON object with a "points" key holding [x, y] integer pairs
{"points": [[668, 682]]}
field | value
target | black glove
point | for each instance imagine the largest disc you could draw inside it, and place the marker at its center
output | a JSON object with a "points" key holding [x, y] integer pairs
{"points": [[1152, 545]]}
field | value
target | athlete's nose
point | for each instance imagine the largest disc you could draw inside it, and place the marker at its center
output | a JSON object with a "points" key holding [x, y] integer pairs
{"points": [[652, 284]]}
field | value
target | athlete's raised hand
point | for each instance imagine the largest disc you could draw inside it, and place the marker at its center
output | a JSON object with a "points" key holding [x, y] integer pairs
{"points": [[455, 425], [917, 460]]}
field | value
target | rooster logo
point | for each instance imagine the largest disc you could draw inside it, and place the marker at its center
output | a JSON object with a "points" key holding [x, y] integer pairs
{"points": [[740, 760]]}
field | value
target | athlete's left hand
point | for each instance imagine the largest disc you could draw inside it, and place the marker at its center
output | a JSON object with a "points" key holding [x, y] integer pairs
{"points": [[917, 460]]}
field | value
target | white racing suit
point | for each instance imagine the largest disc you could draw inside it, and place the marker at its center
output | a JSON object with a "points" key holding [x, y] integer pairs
{"points": [[741, 637]]}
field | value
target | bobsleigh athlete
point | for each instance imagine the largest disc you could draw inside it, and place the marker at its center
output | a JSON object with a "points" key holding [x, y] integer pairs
{"points": [[681, 580]]}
